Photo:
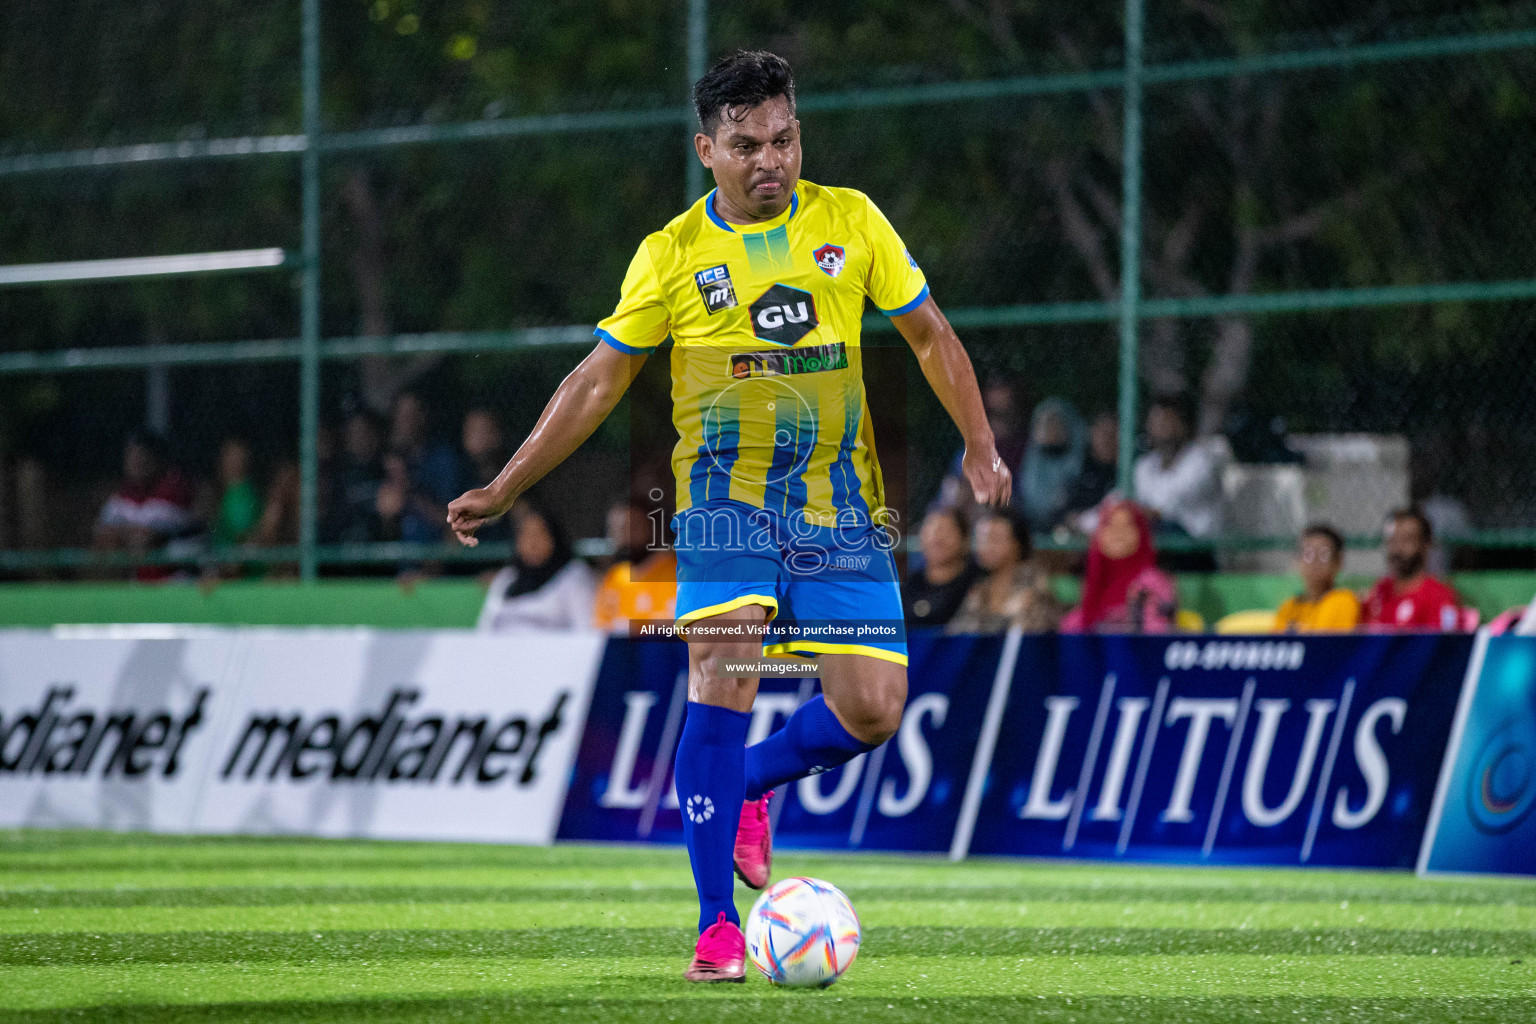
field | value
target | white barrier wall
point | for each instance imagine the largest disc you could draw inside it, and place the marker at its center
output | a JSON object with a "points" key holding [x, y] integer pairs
{"points": [[431, 735]]}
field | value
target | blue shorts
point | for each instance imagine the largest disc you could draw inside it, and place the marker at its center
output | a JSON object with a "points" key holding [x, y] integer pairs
{"points": [[828, 589]]}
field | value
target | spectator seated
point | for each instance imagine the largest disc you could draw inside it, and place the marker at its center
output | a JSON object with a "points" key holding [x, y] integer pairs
{"points": [[642, 582], [933, 592], [1015, 591], [151, 505], [1124, 591], [1052, 463], [1322, 606], [1408, 597], [545, 586]]}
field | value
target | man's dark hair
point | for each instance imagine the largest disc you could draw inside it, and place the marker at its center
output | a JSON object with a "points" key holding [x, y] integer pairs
{"points": [[1417, 515], [738, 82], [1329, 534]]}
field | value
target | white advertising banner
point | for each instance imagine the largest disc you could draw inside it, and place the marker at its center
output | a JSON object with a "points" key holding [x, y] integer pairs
{"points": [[110, 731], [383, 734]]}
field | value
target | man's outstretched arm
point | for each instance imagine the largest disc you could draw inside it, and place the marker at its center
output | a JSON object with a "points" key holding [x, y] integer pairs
{"points": [[581, 402], [953, 379]]}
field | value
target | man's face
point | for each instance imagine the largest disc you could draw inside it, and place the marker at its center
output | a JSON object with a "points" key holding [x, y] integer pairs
{"points": [[1104, 439], [1406, 547], [481, 435], [362, 440], [1319, 562], [1164, 427], [139, 463], [755, 157], [997, 399], [409, 424], [234, 462]]}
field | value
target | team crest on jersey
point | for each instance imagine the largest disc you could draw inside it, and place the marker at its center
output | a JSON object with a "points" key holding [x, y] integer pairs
{"points": [[715, 288], [830, 258]]}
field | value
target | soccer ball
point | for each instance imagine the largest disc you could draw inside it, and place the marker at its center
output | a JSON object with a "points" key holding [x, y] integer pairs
{"points": [[802, 932]]}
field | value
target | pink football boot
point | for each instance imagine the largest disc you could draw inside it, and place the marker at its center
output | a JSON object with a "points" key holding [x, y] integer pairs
{"points": [[721, 954], [754, 843]]}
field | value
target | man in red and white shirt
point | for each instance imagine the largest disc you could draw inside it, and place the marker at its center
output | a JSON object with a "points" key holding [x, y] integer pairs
{"points": [[151, 505], [1409, 597]]}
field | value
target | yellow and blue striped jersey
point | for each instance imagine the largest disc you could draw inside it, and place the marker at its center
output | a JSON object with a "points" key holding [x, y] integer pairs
{"points": [[767, 381]]}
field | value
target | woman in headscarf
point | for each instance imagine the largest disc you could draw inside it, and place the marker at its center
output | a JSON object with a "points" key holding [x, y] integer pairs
{"points": [[1052, 462], [544, 586], [1124, 591]]}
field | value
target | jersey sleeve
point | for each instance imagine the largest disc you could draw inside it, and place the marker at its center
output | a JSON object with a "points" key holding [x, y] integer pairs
{"points": [[895, 284], [641, 320]]}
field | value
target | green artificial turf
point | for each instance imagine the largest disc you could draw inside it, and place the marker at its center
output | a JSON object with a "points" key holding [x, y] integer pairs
{"points": [[136, 928]]}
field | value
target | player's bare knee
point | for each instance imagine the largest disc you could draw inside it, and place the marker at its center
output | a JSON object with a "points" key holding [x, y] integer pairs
{"points": [[885, 721], [710, 678], [876, 717]]}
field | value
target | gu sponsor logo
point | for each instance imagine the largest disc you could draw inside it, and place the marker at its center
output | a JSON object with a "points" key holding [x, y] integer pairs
{"points": [[784, 315], [786, 362], [715, 288]]}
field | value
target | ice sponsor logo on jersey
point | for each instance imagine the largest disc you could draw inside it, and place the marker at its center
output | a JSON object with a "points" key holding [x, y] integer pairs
{"points": [[715, 288], [910, 261], [784, 362], [830, 258], [784, 315]]}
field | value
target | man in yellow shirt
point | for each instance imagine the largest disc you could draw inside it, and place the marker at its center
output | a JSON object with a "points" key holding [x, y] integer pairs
{"points": [[781, 511], [1321, 607]]}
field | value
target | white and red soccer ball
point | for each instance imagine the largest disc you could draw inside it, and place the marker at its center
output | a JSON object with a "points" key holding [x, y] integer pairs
{"points": [[802, 933]]}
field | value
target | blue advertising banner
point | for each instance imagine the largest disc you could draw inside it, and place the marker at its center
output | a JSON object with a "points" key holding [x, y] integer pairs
{"points": [[621, 785], [1283, 750], [904, 795], [1483, 820], [907, 793]]}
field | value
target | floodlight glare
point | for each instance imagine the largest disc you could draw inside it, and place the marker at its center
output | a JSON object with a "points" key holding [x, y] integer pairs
{"points": [[141, 266]]}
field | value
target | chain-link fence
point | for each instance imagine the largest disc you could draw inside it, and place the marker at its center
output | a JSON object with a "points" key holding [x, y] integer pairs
{"points": [[1332, 203]]}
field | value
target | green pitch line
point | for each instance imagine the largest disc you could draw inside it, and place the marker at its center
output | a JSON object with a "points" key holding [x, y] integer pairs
{"points": [[608, 908], [145, 928]]}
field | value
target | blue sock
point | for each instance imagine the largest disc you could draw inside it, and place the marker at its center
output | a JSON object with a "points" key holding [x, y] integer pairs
{"points": [[711, 754], [813, 739]]}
